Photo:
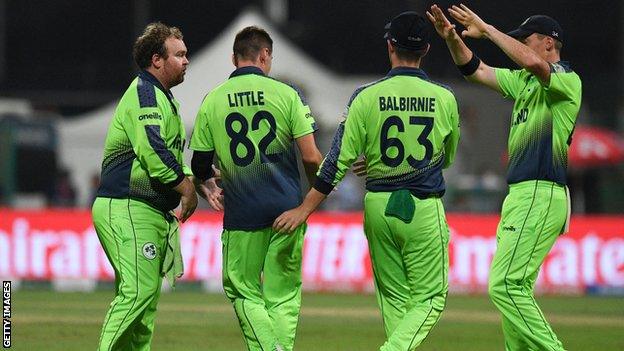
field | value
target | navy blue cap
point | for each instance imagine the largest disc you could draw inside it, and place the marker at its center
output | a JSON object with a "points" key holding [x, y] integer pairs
{"points": [[538, 24], [409, 30]]}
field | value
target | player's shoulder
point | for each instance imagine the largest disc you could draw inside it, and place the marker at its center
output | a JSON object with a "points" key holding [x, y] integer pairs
{"points": [[366, 88], [443, 89], [561, 67], [288, 88], [216, 91], [564, 69], [142, 93], [137, 95]]}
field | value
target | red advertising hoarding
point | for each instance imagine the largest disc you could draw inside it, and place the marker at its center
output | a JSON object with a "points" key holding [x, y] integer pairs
{"points": [[55, 244]]}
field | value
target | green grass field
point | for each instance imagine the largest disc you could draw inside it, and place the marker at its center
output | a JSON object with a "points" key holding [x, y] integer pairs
{"points": [[44, 320]]}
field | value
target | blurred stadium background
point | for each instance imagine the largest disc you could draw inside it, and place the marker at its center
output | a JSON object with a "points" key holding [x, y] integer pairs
{"points": [[64, 64]]}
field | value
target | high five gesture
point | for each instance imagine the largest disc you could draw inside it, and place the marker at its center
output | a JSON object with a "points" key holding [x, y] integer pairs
{"points": [[547, 96], [475, 26]]}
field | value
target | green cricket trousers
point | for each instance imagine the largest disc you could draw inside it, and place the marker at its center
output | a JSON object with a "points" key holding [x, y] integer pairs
{"points": [[534, 214], [262, 279], [410, 267], [133, 236]]}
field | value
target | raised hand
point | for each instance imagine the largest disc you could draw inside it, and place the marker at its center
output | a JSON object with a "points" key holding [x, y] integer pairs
{"points": [[475, 26], [445, 29]]}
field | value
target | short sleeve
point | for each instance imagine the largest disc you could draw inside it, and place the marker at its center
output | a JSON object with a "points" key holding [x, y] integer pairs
{"points": [[302, 121], [201, 138], [509, 82], [563, 85], [450, 143]]}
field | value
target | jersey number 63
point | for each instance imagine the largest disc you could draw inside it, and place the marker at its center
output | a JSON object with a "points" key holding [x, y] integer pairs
{"points": [[386, 142]]}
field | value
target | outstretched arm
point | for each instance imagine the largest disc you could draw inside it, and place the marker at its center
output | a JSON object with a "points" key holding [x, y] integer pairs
{"points": [[461, 54], [517, 51]]}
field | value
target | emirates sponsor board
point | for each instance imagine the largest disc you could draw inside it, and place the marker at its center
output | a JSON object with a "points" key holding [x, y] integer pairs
{"points": [[47, 245]]}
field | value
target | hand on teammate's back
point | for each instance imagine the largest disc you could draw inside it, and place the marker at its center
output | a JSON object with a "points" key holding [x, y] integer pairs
{"points": [[359, 167], [288, 221]]}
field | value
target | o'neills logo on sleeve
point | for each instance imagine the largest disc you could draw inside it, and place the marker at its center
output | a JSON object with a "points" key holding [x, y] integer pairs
{"points": [[153, 115]]}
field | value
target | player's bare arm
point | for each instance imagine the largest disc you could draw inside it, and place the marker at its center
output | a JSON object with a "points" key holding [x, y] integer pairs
{"points": [[291, 219], [310, 156], [460, 53], [517, 51]]}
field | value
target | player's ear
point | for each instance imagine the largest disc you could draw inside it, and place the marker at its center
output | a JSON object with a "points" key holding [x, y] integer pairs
{"points": [[264, 55], [426, 50], [390, 47], [157, 61], [550, 44], [234, 60]]}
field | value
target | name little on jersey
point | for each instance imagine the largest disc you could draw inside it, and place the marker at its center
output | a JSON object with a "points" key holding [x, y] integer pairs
{"points": [[246, 98], [407, 103]]}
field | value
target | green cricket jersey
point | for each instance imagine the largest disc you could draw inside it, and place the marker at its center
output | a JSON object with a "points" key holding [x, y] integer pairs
{"points": [[251, 122], [407, 127], [143, 148], [542, 122]]}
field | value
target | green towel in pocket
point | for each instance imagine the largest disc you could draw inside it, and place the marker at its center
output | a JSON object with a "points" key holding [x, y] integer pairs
{"points": [[401, 205], [173, 266]]}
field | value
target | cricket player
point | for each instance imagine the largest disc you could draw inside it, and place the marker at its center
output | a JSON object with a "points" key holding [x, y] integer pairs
{"points": [[143, 180], [252, 122], [407, 126], [547, 95]]}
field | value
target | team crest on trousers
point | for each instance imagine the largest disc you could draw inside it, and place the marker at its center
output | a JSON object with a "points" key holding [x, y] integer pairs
{"points": [[149, 251]]}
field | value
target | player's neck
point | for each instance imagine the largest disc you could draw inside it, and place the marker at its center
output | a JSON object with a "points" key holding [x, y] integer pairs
{"points": [[402, 63], [553, 57], [247, 63], [550, 56], [158, 75]]}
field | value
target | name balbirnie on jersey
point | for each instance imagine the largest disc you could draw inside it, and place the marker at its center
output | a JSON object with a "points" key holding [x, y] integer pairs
{"points": [[407, 103]]}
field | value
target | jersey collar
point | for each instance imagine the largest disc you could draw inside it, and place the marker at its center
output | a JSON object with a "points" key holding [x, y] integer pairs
{"points": [[145, 75], [247, 70], [566, 65], [407, 71]]}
